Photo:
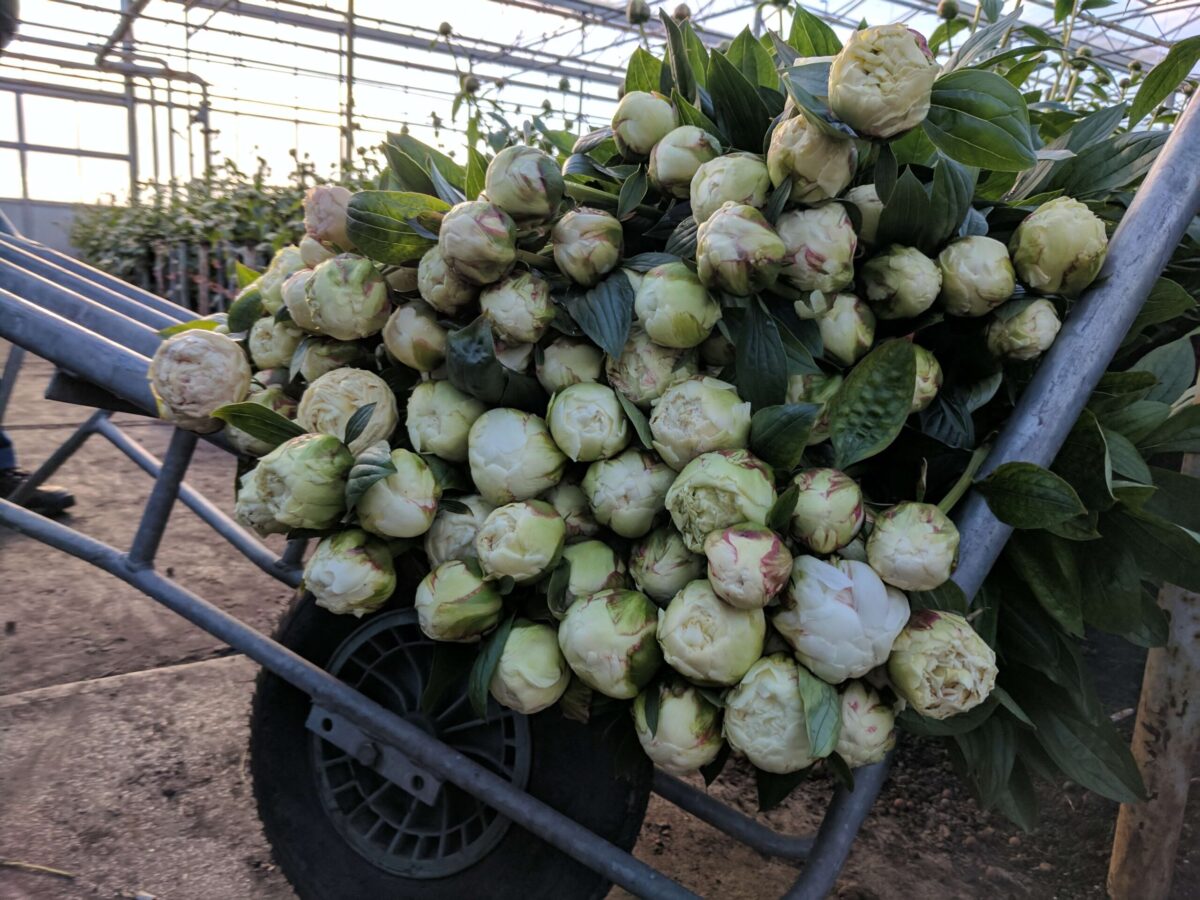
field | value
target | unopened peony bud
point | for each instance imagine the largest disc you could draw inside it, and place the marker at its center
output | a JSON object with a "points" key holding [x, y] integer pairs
{"points": [[526, 183], [676, 158], [1059, 248], [642, 119], [913, 546], [748, 564], [478, 241], [737, 251], [737, 177], [901, 282], [829, 510], [1027, 334], [820, 245], [440, 287], [847, 329], [881, 80], [820, 167], [940, 665], [587, 244], [977, 276], [325, 215]]}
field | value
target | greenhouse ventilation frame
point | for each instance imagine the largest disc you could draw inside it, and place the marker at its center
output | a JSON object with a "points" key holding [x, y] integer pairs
{"points": [[100, 332]]}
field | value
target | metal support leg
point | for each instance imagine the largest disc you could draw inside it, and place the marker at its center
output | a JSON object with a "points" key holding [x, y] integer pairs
{"points": [[293, 553], [64, 452], [12, 367], [162, 499]]}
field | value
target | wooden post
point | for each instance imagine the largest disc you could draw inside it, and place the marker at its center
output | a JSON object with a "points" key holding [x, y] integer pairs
{"points": [[1166, 739]]}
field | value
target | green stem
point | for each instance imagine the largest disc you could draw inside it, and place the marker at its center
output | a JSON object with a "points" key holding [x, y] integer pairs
{"points": [[1066, 51], [537, 260], [975, 18], [577, 191], [964, 481]]}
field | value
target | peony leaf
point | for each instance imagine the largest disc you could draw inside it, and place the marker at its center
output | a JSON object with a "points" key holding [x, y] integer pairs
{"points": [[604, 312], [811, 36], [485, 667], [779, 434], [258, 421], [357, 423], [245, 310], [473, 368], [1165, 77], [378, 223], [643, 72], [822, 713], [1025, 495], [869, 410], [246, 276], [372, 465], [760, 358], [979, 119]]}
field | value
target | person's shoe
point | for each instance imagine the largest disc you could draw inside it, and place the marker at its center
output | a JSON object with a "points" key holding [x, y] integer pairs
{"points": [[48, 500]]}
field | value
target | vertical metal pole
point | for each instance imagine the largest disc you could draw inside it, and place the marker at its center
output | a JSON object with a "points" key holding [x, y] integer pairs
{"points": [[348, 154], [293, 553], [162, 499], [12, 368], [23, 156], [130, 113], [1166, 738]]}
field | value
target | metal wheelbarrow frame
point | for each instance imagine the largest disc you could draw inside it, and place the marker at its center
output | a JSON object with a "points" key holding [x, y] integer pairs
{"points": [[102, 331]]}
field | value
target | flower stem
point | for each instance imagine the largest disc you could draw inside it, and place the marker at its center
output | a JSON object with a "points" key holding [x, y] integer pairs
{"points": [[964, 480], [537, 260], [577, 191]]}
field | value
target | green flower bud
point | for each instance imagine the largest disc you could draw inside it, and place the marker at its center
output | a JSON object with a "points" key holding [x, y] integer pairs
{"points": [[642, 119], [820, 167], [440, 287], [1027, 334], [697, 416], [608, 640], [439, 419], [512, 456], [532, 673], [929, 378], [637, 12], [402, 504], [717, 490], [868, 726], [295, 298], [195, 372], [325, 215], [526, 183], [688, 736], [940, 665], [829, 510], [644, 370], [286, 262], [707, 640], [870, 207], [901, 282], [847, 329], [737, 251], [662, 565], [274, 399], [627, 491], [452, 534], [839, 617], [522, 540], [595, 567], [748, 564], [299, 484], [765, 718], [977, 276], [478, 241], [313, 252], [881, 80], [947, 9], [317, 357], [330, 401], [587, 422], [272, 343], [414, 337], [819, 245], [347, 298], [1059, 248], [350, 573], [913, 546], [735, 177], [674, 308], [587, 244], [518, 308], [566, 361], [454, 604], [675, 159]]}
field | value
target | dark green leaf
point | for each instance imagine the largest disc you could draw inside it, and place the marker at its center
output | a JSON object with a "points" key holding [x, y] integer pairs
{"points": [[988, 754], [949, 200], [1174, 365], [979, 119], [1062, 9], [907, 215], [357, 422], [840, 770], [449, 670], [689, 114], [741, 113], [811, 36], [822, 713], [605, 312], [886, 173], [780, 514], [869, 410], [633, 191], [991, 9], [485, 667], [949, 597], [779, 434], [592, 140], [378, 223], [447, 475], [448, 168], [1081, 528], [1167, 300], [637, 419], [1083, 134], [191, 325], [1084, 463], [682, 242], [1047, 565], [815, 108], [370, 466], [1178, 498], [443, 188], [1179, 434], [245, 310], [1125, 457], [1012, 706], [1110, 165], [1112, 590], [1165, 77], [472, 367], [477, 166], [644, 262], [778, 201], [750, 58], [697, 55], [258, 421], [1087, 748], [774, 789], [677, 59], [917, 724], [713, 769], [246, 276], [1137, 420], [406, 171], [557, 598], [1117, 390], [653, 704], [1018, 802], [1162, 548], [983, 40], [643, 72], [760, 358]]}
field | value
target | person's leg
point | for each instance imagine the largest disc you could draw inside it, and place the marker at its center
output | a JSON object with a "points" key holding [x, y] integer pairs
{"points": [[49, 499]]}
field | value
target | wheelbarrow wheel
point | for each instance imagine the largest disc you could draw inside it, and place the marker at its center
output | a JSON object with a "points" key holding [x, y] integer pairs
{"points": [[339, 830]]}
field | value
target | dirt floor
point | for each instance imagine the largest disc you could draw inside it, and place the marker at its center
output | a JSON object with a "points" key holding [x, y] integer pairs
{"points": [[123, 732]]}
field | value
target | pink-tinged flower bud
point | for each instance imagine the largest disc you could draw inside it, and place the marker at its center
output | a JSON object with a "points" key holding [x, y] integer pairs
{"points": [[829, 510], [737, 177], [675, 159], [748, 564], [868, 726], [940, 665], [819, 166], [688, 735], [737, 251], [901, 282], [478, 241], [913, 546], [587, 244], [1059, 248], [325, 215], [820, 246]]}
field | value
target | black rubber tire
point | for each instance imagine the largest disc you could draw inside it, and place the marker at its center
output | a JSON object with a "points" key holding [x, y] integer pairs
{"points": [[573, 770]]}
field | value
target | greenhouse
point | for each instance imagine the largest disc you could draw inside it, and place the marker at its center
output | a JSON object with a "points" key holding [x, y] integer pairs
{"points": [[599, 449]]}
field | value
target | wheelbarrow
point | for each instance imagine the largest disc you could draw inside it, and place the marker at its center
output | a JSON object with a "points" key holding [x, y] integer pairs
{"points": [[365, 790]]}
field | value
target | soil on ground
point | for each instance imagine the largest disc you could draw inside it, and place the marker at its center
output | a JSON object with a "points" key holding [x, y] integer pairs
{"points": [[123, 735]]}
